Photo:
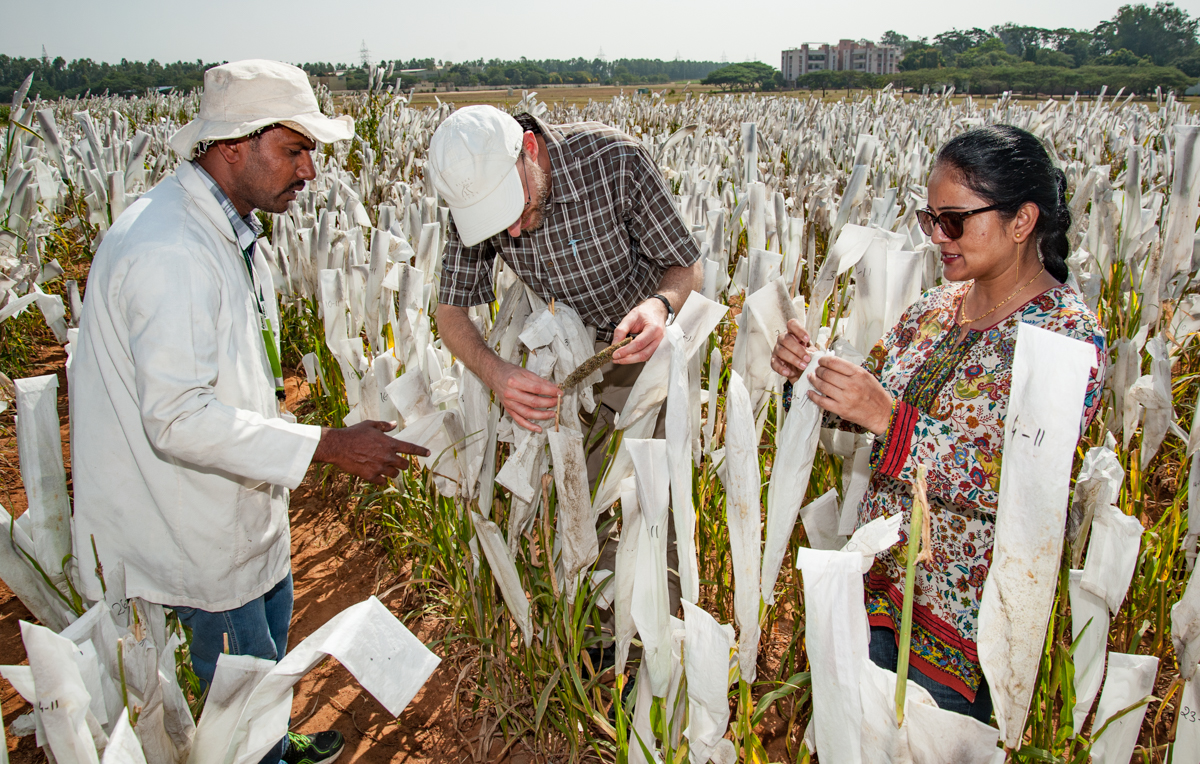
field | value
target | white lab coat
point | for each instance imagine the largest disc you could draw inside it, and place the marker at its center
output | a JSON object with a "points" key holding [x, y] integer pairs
{"points": [[181, 462]]}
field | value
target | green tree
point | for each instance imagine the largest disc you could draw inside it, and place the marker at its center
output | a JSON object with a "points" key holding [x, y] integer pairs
{"points": [[1189, 64], [1022, 42], [958, 41], [991, 53], [1164, 32], [924, 57], [1079, 44], [1122, 57], [903, 42], [744, 76], [1048, 57]]}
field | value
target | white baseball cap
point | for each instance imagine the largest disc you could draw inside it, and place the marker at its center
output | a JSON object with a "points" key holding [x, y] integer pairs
{"points": [[243, 97], [473, 165]]}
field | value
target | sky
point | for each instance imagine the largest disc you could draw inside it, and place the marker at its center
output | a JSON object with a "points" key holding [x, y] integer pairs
{"points": [[306, 30]]}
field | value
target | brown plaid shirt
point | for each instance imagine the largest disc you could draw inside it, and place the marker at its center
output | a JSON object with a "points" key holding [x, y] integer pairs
{"points": [[611, 231]]}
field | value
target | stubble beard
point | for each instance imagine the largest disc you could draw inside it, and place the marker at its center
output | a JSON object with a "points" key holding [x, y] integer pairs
{"points": [[255, 187], [541, 192]]}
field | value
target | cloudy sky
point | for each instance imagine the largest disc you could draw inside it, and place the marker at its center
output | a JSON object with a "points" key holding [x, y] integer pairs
{"points": [[307, 30]]}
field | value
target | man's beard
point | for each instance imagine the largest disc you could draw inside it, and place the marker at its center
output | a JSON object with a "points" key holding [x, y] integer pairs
{"points": [[536, 177]]}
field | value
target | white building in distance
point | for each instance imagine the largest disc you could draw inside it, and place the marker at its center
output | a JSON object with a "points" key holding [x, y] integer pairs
{"points": [[846, 56]]}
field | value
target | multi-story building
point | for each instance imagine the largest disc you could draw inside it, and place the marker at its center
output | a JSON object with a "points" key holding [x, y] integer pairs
{"points": [[847, 55]]}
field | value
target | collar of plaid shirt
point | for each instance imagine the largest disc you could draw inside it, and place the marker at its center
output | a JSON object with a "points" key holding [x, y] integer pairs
{"points": [[563, 185], [246, 229]]}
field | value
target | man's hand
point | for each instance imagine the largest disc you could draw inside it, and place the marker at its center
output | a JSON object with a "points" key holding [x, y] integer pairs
{"points": [[851, 392], [790, 357], [649, 322], [365, 451], [525, 395]]}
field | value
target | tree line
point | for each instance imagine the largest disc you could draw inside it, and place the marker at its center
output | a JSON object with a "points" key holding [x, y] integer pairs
{"points": [[1140, 48], [54, 78], [1137, 35], [525, 72]]}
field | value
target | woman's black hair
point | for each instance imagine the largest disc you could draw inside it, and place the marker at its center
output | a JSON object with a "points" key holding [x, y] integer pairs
{"points": [[1008, 166]]}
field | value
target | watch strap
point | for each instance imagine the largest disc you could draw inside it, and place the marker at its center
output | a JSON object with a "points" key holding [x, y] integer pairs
{"points": [[665, 301]]}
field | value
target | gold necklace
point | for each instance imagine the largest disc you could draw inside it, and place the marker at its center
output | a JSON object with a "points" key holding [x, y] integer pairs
{"points": [[962, 316]]}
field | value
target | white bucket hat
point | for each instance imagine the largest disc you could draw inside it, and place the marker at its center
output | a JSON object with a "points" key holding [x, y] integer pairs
{"points": [[473, 165], [245, 96]]}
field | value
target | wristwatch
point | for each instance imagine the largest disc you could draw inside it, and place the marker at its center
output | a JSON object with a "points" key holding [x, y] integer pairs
{"points": [[670, 310]]}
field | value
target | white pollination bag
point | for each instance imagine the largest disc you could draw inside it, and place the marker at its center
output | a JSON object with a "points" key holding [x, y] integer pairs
{"points": [[22, 578], [1130, 680], [640, 731], [764, 317], [576, 521], [837, 635], [650, 600], [1112, 555], [820, 519], [938, 736], [1098, 484], [882, 741], [741, 478], [626, 573], [389, 662], [39, 446], [860, 479], [697, 319], [714, 379], [1187, 735], [795, 448], [64, 713], [1049, 378], [504, 570], [706, 651], [679, 459], [123, 745], [1089, 627], [1185, 628]]}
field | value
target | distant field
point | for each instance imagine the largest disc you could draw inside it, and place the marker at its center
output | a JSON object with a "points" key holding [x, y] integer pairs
{"points": [[573, 96], [675, 92]]}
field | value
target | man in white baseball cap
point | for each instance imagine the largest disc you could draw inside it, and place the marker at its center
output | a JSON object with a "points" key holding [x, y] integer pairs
{"points": [[582, 215], [182, 453]]}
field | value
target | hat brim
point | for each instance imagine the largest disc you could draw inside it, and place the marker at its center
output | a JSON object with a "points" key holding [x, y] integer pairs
{"points": [[317, 126], [495, 212]]}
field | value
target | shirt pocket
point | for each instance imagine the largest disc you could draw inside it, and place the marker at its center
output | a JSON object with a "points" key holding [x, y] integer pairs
{"points": [[257, 522]]}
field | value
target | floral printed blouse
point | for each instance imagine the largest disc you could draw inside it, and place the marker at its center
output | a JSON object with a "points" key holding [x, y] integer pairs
{"points": [[951, 398]]}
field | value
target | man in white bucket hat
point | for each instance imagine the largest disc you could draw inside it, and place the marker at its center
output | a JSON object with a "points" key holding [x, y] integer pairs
{"points": [[182, 455]]}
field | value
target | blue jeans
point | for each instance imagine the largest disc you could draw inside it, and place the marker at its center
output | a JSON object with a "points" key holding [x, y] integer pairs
{"points": [[885, 654], [258, 628]]}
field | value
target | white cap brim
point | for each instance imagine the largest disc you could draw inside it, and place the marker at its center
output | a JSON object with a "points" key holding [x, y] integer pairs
{"points": [[315, 126], [493, 213]]}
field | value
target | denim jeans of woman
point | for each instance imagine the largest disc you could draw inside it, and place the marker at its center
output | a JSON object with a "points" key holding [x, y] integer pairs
{"points": [[885, 654]]}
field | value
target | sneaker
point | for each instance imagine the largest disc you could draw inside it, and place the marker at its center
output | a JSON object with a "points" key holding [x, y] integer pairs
{"points": [[320, 748]]}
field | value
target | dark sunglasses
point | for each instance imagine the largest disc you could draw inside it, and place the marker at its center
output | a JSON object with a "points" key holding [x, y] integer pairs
{"points": [[950, 221]]}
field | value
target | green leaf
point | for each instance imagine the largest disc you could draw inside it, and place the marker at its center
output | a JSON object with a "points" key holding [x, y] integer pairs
{"points": [[795, 682], [544, 698]]}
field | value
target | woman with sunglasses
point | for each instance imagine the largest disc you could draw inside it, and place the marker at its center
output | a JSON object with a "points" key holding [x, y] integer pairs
{"points": [[935, 391]]}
